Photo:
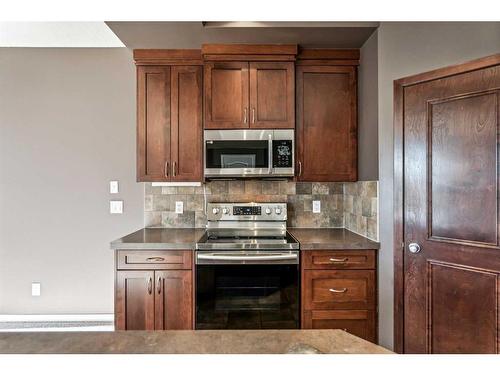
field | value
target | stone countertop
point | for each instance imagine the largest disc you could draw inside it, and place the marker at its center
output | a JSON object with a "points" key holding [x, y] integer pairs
{"points": [[331, 239], [175, 239], [187, 342], [160, 239]]}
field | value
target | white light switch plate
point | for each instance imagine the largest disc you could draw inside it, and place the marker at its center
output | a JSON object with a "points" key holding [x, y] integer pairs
{"points": [[179, 207], [116, 207], [35, 289], [113, 187], [316, 207]]}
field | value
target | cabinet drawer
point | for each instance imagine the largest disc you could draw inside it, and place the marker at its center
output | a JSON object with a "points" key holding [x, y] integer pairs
{"points": [[339, 259], [154, 259], [361, 323], [346, 289]]}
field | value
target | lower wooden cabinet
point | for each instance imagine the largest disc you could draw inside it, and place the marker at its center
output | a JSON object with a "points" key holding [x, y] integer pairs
{"points": [[339, 291], [357, 322], [153, 299]]}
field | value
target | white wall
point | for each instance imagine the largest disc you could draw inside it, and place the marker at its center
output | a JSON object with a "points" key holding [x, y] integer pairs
{"points": [[406, 49], [67, 127]]}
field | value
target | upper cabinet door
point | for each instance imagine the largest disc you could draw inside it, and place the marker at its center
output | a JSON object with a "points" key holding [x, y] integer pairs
{"points": [[153, 123], [226, 95], [272, 95], [326, 123], [186, 117]]}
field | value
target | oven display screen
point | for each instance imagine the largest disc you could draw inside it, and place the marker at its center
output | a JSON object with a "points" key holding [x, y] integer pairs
{"points": [[246, 210]]}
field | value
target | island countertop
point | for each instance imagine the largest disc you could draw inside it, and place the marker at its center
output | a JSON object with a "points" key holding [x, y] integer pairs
{"points": [[187, 342]]}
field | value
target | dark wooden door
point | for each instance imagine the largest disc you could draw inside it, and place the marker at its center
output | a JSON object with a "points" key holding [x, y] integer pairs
{"points": [[272, 95], [186, 117], [173, 300], [326, 123], [153, 123], [451, 199], [134, 303], [226, 95]]}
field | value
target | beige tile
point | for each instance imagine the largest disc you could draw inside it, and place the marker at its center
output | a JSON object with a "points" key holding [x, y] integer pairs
{"points": [[349, 204], [195, 203], [336, 187], [148, 203], [371, 229], [303, 188], [150, 189], [368, 189], [188, 190], [253, 187], [320, 188], [270, 187], [287, 187], [200, 219], [357, 208], [161, 202], [236, 187], [351, 188], [219, 187], [169, 190], [173, 220], [366, 207], [152, 219]]}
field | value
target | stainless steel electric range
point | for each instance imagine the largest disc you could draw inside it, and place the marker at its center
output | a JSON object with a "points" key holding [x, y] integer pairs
{"points": [[247, 269]]}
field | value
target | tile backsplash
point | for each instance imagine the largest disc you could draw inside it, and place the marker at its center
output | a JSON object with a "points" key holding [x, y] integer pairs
{"points": [[160, 201]]}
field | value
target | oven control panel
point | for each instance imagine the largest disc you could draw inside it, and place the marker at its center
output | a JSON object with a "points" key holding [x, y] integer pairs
{"points": [[246, 211]]}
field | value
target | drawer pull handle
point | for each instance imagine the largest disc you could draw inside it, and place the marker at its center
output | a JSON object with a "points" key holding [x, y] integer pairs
{"points": [[150, 285], [159, 285], [343, 290], [339, 260], [155, 259]]}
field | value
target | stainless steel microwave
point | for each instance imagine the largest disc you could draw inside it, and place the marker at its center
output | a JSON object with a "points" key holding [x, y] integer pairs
{"points": [[249, 153]]}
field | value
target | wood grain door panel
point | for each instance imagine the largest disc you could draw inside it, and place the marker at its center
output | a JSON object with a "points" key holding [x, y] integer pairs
{"points": [[153, 123], [360, 323], [187, 128], [226, 95], [173, 300], [327, 123], [450, 208], [154, 259], [134, 300], [272, 95], [346, 289]]}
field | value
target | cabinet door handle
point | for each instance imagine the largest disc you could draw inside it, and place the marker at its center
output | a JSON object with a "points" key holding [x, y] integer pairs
{"points": [[338, 260], [245, 115], [253, 115], [159, 285], [150, 285], [165, 172], [300, 168], [174, 169], [343, 290], [155, 259]]}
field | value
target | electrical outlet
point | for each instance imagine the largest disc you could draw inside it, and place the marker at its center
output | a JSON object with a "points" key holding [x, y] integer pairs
{"points": [[179, 207], [35, 289], [113, 187], [116, 207], [316, 207]]}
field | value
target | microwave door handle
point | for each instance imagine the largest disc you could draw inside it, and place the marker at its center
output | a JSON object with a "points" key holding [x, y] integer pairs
{"points": [[270, 154]]}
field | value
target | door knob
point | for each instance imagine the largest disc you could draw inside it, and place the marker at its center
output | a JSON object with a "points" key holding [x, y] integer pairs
{"points": [[414, 247]]}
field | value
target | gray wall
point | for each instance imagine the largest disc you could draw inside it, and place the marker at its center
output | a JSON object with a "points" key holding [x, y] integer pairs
{"points": [[405, 49], [67, 127], [368, 110]]}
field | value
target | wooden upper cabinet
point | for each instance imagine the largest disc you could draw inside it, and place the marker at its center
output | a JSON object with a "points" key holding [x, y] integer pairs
{"points": [[226, 95], [326, 123], [186, 127], [153, 123], [169, 123], [249, 95], [134, 300], [272, 95]]}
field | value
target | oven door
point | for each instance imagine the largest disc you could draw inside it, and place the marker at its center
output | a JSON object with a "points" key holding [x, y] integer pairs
{"points": [[238, 153], [247, 290]]}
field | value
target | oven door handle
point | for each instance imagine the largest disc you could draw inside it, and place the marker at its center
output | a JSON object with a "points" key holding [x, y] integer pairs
{"points": [[248, 257]]}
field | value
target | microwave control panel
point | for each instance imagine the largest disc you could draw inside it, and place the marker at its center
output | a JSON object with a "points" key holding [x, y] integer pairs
{"points": [[282, 154]]}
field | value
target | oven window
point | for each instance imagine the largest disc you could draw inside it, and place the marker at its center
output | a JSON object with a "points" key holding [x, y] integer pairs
{"points": [[237, 154], [247, 297]]}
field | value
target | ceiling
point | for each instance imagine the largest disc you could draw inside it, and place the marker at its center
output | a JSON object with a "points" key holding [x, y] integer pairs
{"points": [[194, 34]]}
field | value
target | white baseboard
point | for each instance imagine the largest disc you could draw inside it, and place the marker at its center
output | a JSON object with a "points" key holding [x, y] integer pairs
{"points": [[56, 317]]}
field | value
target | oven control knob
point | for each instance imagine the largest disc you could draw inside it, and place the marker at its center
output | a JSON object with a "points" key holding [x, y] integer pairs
{"points": [[225, 210], [268, 211], [278, 211], [215, 210]]}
